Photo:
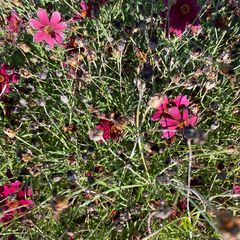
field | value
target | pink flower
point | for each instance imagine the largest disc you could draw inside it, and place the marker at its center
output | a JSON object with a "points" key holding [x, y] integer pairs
{"points": [[179, 101], [88, 9], [160, 110], [14, 200], [175, 119], [236, 189], [6, 79], [13, 21], [49, 31], [180, 14], [85, 11]]}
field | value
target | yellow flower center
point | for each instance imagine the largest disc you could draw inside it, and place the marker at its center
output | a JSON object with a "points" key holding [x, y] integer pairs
{"points": [[182, 124], [13, 204], [16, 23], [185, 9], [49, 30], [2, 78]]}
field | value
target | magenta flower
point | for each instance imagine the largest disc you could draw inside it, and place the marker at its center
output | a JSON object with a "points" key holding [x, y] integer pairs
{"points": [[107, 127], [13, 21], [179, 101], [236, 189], [181, 13], [160, 110], [49, 31], [175, 119], [88, 9], [85, 11], [6, 79], [14, 201]]}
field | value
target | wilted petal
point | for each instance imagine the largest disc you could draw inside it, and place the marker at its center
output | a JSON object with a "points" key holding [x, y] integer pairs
{"points": [[43, 16]]}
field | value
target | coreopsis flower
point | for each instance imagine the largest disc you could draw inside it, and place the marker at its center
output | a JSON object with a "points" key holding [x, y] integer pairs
{"points": [[160, 109], [106, 126], [181, 14], [49, 31], [14, 201], [175, 119], [179, 101], [14, 22], [88, 9], [85, 11], [6, 78]]}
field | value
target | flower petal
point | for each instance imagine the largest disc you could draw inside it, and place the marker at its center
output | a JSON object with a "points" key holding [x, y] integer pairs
{"points": [[60, 26], [175, 113], [43, 16], [40, 36], [36, 24], [168, 122], [55, 18], [156, 116], [181, 100], [169, 132], [50, 41], [192, 121], [185, 114]]}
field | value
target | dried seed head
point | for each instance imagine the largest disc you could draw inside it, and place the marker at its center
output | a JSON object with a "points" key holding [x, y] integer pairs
{"points": [[215, 125], [26, 156], [25, 47], [59, 203], [95, 134], [152, 147], [10, 133], [164, 213], [121, 46], [209, 85], [64, 99]]}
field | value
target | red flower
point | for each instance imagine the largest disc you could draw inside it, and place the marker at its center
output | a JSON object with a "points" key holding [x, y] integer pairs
{"points": [[106, 126], [181, 13], [13, 21], [14, 201], [176, 119], [6, 79], [109, 129]]}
